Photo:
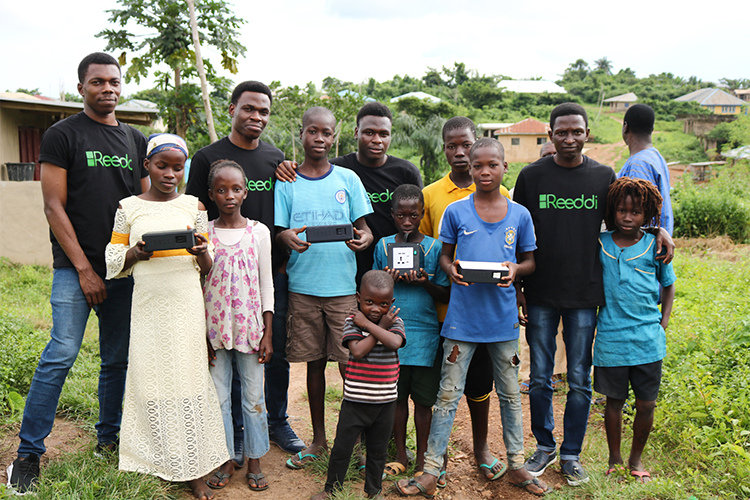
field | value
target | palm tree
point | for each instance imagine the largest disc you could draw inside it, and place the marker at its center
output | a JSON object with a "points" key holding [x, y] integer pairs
{"points": [[604, 65]]}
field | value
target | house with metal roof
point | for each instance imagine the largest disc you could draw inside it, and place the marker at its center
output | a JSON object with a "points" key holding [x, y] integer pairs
{"points": [[621, 102], [24, 118], [418, 95], [716, 100], [523, 140], [743, 94], [531, 87]]}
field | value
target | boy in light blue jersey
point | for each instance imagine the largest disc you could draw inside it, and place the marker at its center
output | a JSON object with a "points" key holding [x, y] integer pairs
{"points": [[321, 275]]}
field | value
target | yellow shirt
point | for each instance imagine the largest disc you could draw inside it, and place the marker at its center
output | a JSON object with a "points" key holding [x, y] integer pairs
{"points": [[437, 196]]}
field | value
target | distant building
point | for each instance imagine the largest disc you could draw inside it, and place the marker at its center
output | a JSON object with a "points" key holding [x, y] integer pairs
{"points": [[715, 100], [523, 140], [418, 95], [488, 129], [621, 102], [743, 94], [356, 95], [24, 118], [531, 87]]}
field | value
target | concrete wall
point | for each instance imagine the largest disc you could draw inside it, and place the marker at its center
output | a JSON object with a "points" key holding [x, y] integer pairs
{"points": [[526, 151], [24, 233]]}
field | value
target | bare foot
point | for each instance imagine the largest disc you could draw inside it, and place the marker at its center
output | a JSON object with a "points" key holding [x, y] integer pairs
{"points": [[320, 496], [425, 484], [220, 478], [201, 491]]}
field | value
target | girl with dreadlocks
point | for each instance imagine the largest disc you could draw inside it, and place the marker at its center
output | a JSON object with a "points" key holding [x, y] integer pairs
{"points": [[631, 340]]}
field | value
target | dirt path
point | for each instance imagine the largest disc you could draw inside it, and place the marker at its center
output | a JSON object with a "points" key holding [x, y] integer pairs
{"points": [[606, 154], [464, 481]]}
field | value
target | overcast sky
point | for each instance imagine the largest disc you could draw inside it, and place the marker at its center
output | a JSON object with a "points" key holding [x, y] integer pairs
{"points": [[42, 42]]}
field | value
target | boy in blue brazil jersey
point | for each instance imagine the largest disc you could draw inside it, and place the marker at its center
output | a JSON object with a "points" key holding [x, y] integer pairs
{"points": [[484, 226]]}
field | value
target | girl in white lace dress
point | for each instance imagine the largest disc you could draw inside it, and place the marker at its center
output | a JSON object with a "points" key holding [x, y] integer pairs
{"points": [[171, 422], [239, 312]]}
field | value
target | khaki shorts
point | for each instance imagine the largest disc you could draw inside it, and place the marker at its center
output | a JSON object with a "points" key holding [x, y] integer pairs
{"points": [[315, 327]]}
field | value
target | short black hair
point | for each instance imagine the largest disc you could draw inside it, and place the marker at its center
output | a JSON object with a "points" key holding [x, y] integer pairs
{"points": [[459, 123], [374, 109], [640, 119], [221, 164], [377, 279], [315, 111], [567, 109], [251, 86], [406, 192], [95, 58], [487, 142]]}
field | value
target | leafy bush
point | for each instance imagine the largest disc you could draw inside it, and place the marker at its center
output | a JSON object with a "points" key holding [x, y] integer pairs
{"points": [[679, 146], [710, 211], [18, 360]]}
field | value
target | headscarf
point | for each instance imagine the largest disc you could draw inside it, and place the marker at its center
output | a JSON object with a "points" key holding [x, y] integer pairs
{"points": [[165, 142]]}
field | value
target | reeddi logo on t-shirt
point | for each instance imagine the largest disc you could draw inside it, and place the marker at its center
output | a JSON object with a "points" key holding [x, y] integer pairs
{"points": [[98, 159], [260, 185], [384, 197], [550, 201]]}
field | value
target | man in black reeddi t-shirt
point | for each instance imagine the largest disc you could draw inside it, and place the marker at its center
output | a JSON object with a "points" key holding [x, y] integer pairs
{"points": [[90, 161], [250, 110], [566, 194], [379, 172]]}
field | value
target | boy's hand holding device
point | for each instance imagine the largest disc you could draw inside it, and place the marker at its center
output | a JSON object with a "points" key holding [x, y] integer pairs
{"points": [[289, 238], [395, 273], [454, 275], [507, 280], [140, 253], [201, 247], [361, 240], [415, 278]]}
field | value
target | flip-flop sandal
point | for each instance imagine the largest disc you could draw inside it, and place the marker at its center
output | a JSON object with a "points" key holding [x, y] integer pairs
{"points": [[535, 482], [256, 478], [442, 482], [640, 475], [301, 460], [489, 468], [221, 476], [524, 388], [394, 468], [412, 482]]}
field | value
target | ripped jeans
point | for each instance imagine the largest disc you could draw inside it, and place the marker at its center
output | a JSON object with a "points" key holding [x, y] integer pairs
{"points": [[505, 361]]}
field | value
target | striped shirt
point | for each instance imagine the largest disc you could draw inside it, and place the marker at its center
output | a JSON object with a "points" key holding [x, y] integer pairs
{"points": [[374, 378]]}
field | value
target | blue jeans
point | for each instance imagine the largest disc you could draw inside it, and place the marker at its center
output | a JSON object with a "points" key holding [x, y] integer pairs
{"points": [[578, 335], [277, 371], [505, 363], [70, 312], [255, 441]]}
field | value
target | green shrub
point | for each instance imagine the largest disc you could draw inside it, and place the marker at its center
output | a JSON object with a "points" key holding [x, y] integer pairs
{"points": [[22, 345], [710, 211], [678, 146]]}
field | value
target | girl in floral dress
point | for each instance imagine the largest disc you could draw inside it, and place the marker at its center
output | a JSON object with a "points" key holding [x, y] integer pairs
{"points": [[238, 292]]}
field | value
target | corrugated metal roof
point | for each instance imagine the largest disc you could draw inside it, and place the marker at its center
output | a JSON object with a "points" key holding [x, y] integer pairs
{"points": [[527, 126], [629, 97], [712, 97], [418, 95], [531, 86]]}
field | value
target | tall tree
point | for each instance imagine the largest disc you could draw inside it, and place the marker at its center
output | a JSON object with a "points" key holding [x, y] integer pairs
{"points": [[169, 42], [604, 65]]}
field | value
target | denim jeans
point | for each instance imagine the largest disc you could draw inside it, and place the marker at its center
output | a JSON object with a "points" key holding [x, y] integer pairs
{"points": [[70, 312], [255, 441], [578, 335], [277, 371], [505, 361]]}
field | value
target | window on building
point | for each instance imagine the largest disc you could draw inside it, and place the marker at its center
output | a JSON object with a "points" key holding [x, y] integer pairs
{"points": [[540, 140], [515, 141], [627, 104], [727, 109]]}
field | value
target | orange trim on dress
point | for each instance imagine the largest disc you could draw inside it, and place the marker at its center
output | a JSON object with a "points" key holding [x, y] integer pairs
{"points": [[170, 253], [120, 238]]}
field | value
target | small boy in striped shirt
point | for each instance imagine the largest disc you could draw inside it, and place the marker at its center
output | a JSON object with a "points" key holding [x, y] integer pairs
{"points": [[373, 335]]}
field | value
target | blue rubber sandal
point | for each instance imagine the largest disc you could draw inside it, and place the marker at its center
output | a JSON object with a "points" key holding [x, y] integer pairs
{"points": [[498, 474], [301, 460]]}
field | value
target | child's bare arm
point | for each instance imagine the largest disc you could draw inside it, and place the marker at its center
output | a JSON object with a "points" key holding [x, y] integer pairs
{"points": [[362, 230], [525, 265], [667, 299], [134, 254], [288, 238], [265, 349], [201, 253], [381, 332], [449, 266]]}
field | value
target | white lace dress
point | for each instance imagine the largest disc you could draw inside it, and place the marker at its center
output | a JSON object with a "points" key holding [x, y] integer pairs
{"points": [[171, 422]]}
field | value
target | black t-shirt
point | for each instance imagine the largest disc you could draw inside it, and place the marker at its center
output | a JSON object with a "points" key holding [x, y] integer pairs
{"points": [[259, 165], [379, 182], [99, 164], [567, 206]]}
